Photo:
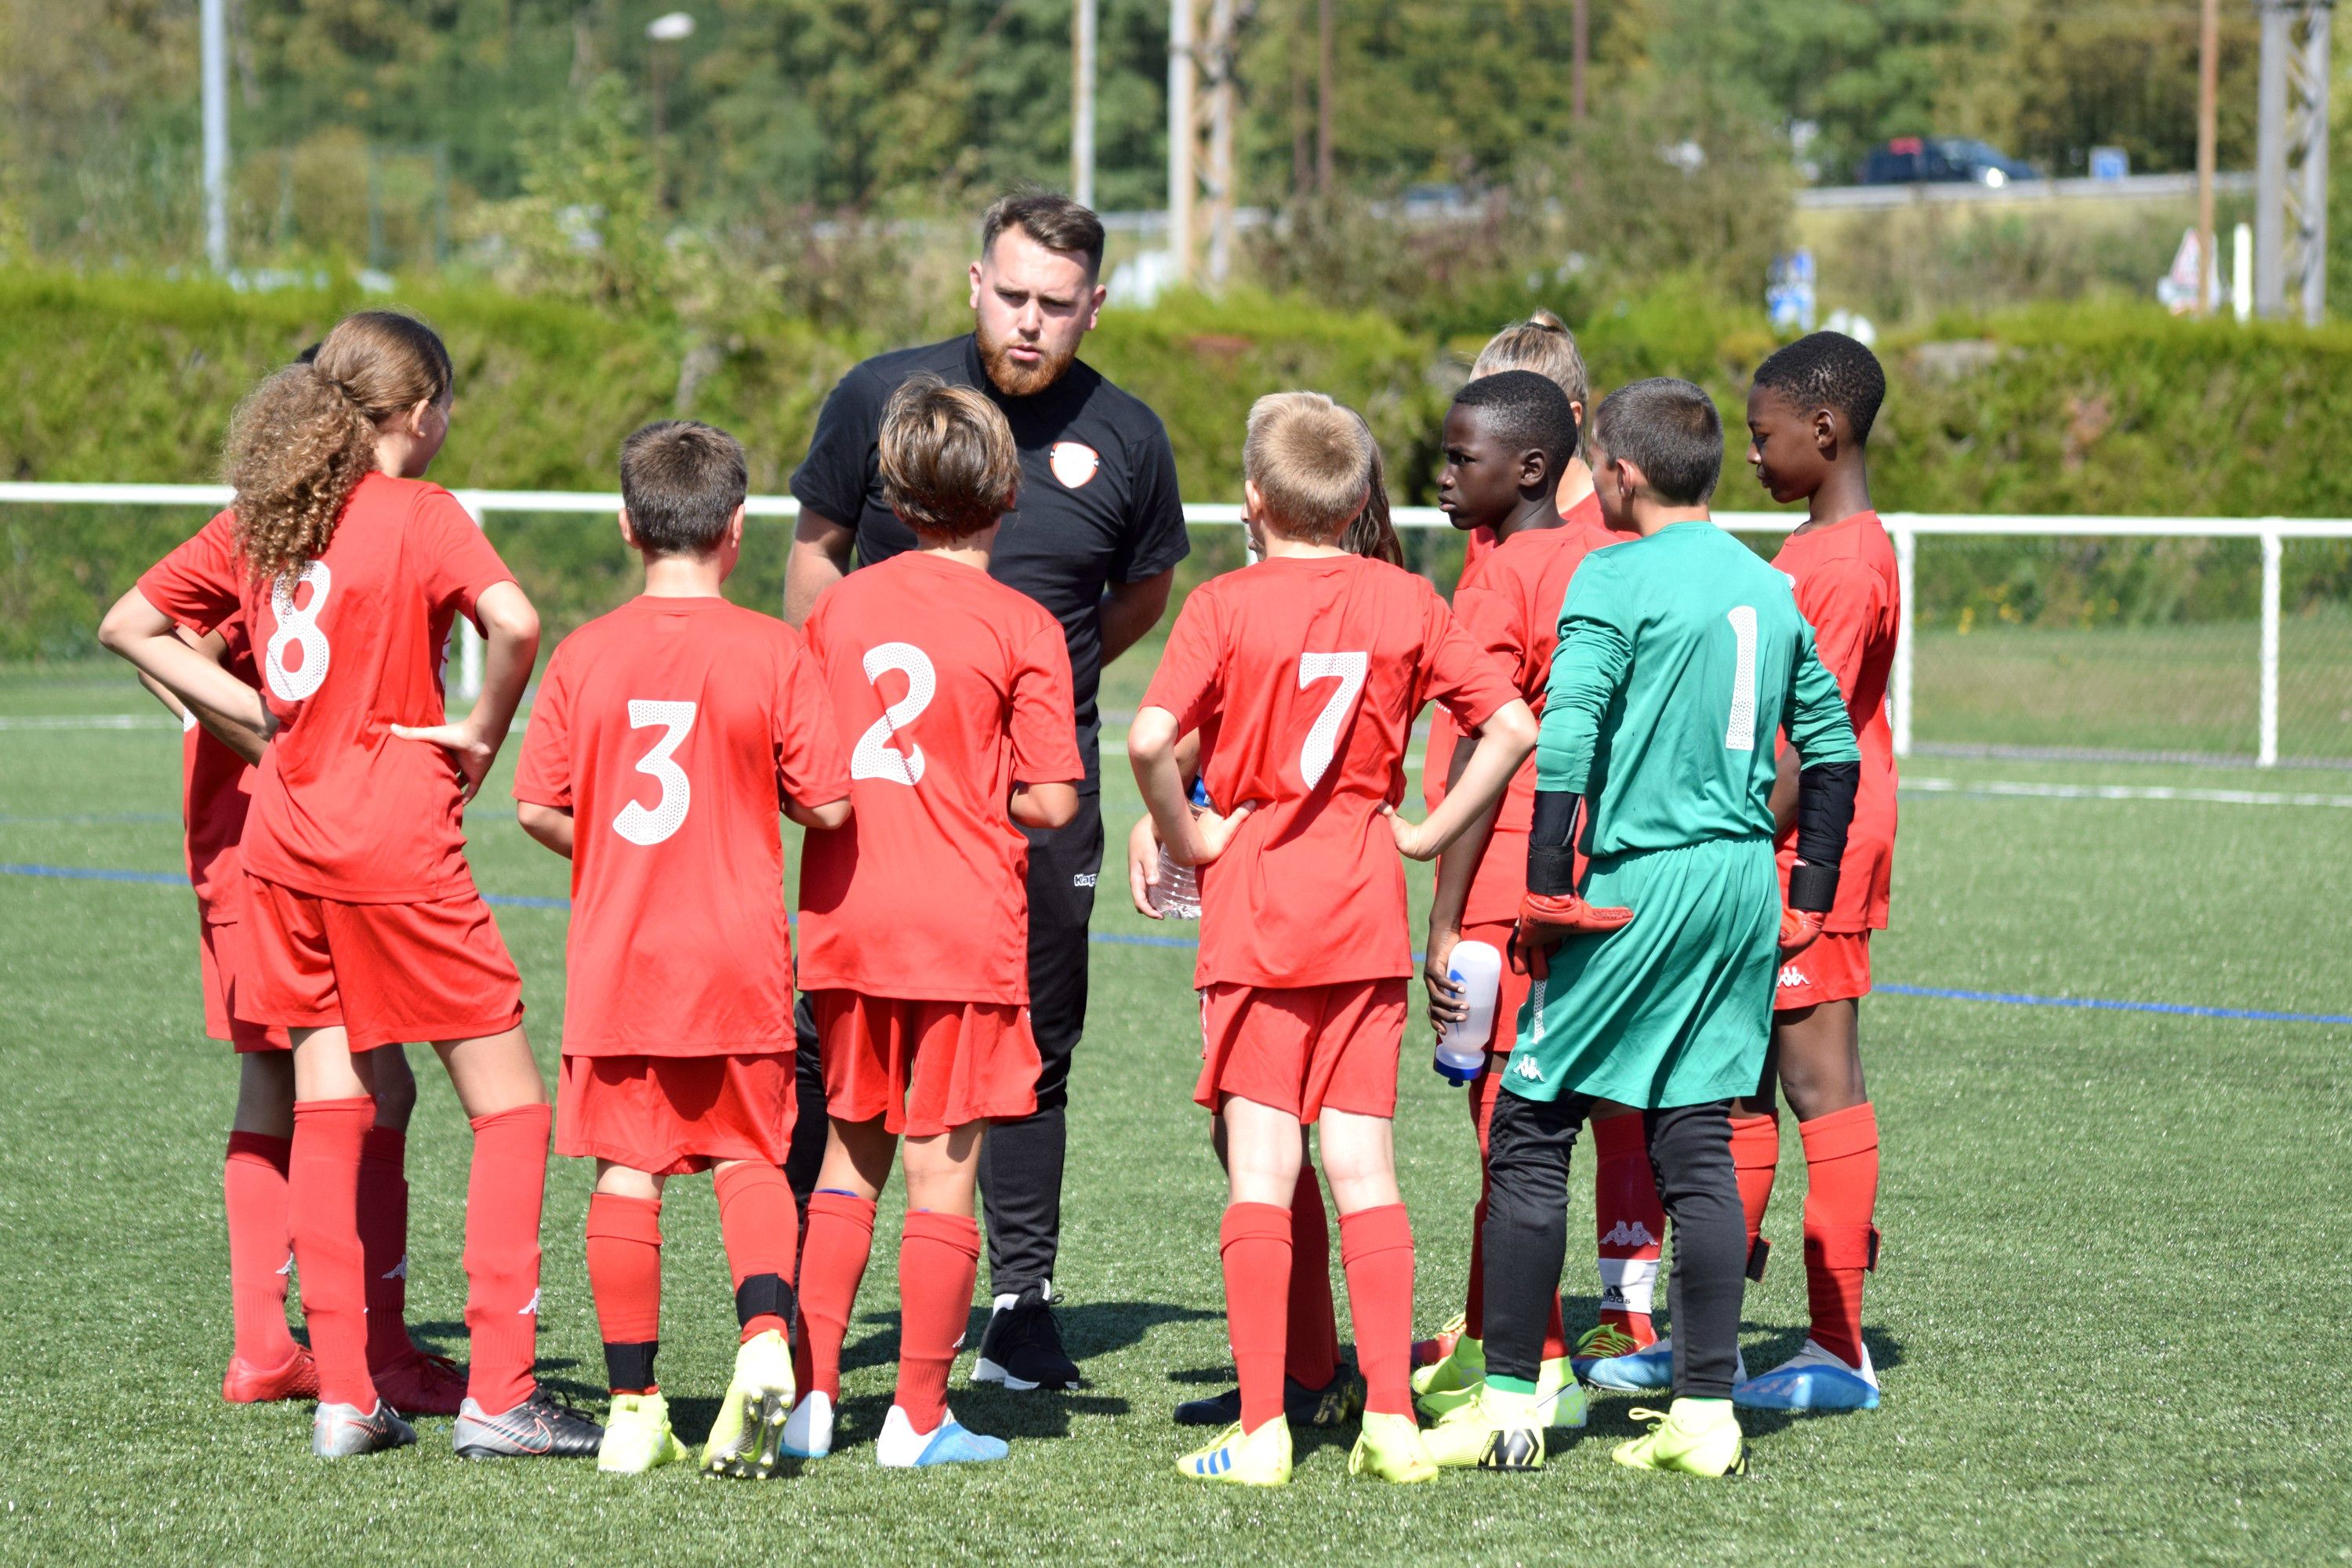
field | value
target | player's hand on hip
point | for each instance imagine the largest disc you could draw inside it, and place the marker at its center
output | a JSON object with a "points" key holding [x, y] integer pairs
{"points": [[1213, 834], [1799, 930], [1143, 867], [1413, 838], [1546, 919], [1446, 1003], [472, 753]]}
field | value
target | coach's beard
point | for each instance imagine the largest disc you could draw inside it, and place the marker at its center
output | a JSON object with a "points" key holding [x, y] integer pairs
{"points": [[1012, 377]]}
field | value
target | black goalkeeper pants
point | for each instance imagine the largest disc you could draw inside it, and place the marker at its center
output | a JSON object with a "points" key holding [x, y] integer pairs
{"points": [[1021, 1162], [1526, 1233]]}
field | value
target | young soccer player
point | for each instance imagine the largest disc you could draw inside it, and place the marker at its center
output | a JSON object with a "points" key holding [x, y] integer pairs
{"points": [[361, 916], [1312, 666], [667, 737], [217, 767], [1680, 654], [953, 692], [1506, 437]]}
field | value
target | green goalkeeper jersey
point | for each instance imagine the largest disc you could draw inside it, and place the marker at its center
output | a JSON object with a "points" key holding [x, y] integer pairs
{"points": [[1680, 656]]}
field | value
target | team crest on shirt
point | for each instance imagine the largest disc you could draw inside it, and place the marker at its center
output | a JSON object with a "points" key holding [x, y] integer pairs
{"points": [[1073, 462]]}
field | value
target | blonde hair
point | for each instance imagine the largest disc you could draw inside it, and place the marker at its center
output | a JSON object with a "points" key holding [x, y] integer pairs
{"points": [[302, 440], [1312, 461], [1543, 344], [949, 465]]}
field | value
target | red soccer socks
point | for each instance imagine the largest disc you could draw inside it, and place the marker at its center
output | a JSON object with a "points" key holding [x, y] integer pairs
{"points": [[253, 1184], [939, 1260], [1312, 1336], [324, 1181], [1755, 1159], [1254, 1242], [624, 1260], [383, 1238], [1376, 1247], [1630, 1222], [757, 1216], [504, 1193], [839, 1240], [1841, 1242]]}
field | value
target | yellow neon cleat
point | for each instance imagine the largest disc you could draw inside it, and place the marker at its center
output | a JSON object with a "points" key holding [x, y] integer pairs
{"points": [[1696, 1437], [638, 1437], [1389, 1448], [1495, 1431], [750, 1432], [1259, 1458]]}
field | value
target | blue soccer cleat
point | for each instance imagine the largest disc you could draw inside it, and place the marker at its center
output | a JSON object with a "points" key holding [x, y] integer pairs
{"points": [[1650, 1370], [901, 1447], [1812, 1379]]}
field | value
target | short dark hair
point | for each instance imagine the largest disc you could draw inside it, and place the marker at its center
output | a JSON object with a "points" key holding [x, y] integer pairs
{"points": [[1526, 411], [949, 464], [1829, 370], [1052, 219], [681, 481], [1670, 430]]}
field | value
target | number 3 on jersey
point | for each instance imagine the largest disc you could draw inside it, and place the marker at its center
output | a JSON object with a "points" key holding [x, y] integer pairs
{"points": [[634, 823], [1323, 741], [875, 757]]}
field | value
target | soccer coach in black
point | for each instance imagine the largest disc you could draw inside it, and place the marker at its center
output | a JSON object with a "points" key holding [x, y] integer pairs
{"points": [[1095, 540]]}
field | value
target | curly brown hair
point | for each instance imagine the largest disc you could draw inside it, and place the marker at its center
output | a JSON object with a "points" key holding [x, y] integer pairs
{"points": [[1373, 534], [302, 440]]}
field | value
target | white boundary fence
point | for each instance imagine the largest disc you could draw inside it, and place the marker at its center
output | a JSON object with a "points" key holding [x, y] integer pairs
{"points": [[1906, 529]]}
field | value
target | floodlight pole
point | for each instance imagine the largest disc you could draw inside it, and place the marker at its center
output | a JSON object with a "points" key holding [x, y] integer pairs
{"points": [[2291, 158], [215, 93], [1183, 141], [1083, 21]]}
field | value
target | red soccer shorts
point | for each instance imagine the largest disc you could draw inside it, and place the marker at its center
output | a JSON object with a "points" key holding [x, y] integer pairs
{"points": [[1301, 1048], [1510, 996], [675, 1116], [1834, 968], [220, 949], [925, 1067], [387, 972]]}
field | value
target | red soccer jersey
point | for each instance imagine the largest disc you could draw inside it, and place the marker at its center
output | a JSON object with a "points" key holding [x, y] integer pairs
{"points": [[1511, 609], [1584, 521], [216, 789], [1848, 591], [343, 808], [949, 688], [1315, 668]]}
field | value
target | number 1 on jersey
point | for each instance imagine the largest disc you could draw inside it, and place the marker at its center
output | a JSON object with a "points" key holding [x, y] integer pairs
{"points": [[1323, 741], [634, 823]]}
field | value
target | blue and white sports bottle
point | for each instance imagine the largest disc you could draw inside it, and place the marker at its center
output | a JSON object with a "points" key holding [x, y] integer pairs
{"points": [[1477, 968]]}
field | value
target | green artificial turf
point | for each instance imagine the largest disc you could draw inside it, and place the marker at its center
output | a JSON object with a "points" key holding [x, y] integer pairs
{"points": [[2109, 1317]]}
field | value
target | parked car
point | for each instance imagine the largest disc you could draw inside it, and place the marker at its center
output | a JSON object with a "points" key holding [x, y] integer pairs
{"points": [[1937, 160]]}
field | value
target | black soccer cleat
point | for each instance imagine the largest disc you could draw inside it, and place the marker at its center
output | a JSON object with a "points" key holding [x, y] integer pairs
{"points": [[541, 1427], [1335, 1403], [1022, 1347]]}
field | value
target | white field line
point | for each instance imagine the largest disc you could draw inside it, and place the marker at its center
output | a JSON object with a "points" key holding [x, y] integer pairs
{"points": [[90, 722], [2120, 792]]}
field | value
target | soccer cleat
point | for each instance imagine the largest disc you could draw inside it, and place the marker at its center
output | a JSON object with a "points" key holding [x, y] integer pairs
{"points": [[541, 1427], [1259, 1458], [1389, 1448], [1440, 1345], [808, 1431], [1442, 1385], [340, 1431], [748, 1434], [1603, 1341], [901, 1447], [1812, 1379], [1335, 1403], [421, 1383], [638, 1437], [1495, 1431], [1022, 1346], [245, 1384], [1650, 1370], [1695, 1438]]}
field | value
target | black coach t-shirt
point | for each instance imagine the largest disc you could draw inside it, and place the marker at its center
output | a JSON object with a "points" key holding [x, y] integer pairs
{"points": [[1099, 502]]}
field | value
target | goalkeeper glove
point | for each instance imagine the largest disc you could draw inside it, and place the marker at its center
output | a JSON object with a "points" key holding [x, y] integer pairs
{"points": [[1799, 928], [1548, 918]]}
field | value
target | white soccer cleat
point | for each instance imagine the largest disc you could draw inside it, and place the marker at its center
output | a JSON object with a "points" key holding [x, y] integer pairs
{"points": [[1812, 1379], [901, 1447], [808, 1432]]}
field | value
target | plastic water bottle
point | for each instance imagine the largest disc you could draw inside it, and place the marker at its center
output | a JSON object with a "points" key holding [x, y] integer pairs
{"points": [[1477, 968], [1177, 894]]}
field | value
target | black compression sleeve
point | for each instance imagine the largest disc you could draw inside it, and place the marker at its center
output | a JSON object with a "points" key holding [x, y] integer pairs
{"points": [[1824, 811], [1551, 844]]}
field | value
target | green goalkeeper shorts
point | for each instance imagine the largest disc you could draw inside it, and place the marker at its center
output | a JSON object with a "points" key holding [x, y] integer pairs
{"points": [[1674, 1008]]}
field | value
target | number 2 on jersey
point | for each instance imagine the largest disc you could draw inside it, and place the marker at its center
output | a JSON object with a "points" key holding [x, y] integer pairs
{"points": [[1739, 729], [1349, 669], [875, 757], [634, 823]]}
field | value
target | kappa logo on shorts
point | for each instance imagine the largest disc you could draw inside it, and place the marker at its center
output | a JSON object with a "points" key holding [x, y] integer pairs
{"points": [[1524, 1066], [1073, 462], [1083, 879], [1792, 977]]}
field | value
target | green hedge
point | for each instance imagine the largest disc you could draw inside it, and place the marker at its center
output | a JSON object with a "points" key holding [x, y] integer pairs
{"points": [[2124, 410]]}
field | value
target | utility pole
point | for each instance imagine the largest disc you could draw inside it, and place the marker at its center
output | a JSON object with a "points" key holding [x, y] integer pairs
{"points": [[2291, 159], [1582, 37], [1222, 104], [1327, 71], [2208, 93], [1200, 145], [1081, 101], [1183, 142], [214, 70]]}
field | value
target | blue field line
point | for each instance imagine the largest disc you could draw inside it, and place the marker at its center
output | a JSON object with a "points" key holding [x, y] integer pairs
{"points": [[1139, 939]]}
